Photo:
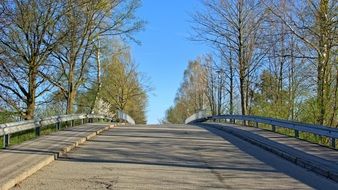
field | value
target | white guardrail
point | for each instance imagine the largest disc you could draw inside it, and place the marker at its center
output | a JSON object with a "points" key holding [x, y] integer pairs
{"points": [[320, 130], [7, 129], [125, 117]]}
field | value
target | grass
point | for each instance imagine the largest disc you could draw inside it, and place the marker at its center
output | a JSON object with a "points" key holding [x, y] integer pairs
{"points": [[26, 135], [317, 139]]}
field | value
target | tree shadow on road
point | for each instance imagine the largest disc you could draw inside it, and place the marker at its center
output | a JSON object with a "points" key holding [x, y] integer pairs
{"points": [[270, 159]]}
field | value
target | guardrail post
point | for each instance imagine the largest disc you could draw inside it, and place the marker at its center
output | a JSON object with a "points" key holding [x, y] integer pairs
{"points": [[6, 140], [37, 131], [57, 125], [333, 142], [273, 128], [72, 123], [296, 133], [256, 125], [82, 121], [38, 126]]}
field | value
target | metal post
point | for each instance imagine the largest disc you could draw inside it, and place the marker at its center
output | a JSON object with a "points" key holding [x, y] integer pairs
{"points": [[234, 121], [82, 121], [333, 142], [256, 125], [57, 126], [273, 128], [37, 131], [72, 123], [6, 140], [296, 133]]}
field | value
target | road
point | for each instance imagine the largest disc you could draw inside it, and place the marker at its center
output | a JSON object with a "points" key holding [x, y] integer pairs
{"points": [[171, 157]]}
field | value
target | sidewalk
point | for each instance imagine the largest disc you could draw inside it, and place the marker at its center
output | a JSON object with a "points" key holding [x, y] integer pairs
{"points": [[20, 161], [319, 159]]}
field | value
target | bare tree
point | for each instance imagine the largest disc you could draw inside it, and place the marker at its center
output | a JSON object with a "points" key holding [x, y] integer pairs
{"points": [[314, 22], [86, 22], [29, 32], [234, 25]]}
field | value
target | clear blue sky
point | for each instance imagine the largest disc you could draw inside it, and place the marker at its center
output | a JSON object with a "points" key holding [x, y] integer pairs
{"points": [[165, 49]]}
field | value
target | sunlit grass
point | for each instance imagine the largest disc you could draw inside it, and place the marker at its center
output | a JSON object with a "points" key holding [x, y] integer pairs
{"points": [[22, 136], [309, 137]]}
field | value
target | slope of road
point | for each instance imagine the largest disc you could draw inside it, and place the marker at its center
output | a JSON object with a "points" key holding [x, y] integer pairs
{"points": [[20, 161], [171, 157]]}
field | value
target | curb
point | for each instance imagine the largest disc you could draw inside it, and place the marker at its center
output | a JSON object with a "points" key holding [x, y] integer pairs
{"points": [[304, 163], [26, 173]]}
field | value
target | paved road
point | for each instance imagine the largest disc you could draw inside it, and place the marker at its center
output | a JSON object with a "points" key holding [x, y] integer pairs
{"points": [[171, 157]]}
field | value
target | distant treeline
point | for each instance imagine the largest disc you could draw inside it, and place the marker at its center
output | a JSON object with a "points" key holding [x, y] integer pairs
{"points": [[272, 58]]}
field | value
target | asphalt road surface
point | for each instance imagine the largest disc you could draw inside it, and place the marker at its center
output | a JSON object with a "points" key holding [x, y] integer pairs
{"points": [[171, 157]]}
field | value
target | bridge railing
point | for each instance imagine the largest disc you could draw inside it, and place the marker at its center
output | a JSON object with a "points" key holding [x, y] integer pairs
{"points": [[123, 116], [331, 133], [199, 116], [37, 124]]}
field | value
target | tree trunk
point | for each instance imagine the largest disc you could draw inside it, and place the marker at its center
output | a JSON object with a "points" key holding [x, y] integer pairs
{"points": [[70, 100], [231, 90], [29, 114], [291, 83], [98, 77], [242, 66], [323, 86], [71, 88]]}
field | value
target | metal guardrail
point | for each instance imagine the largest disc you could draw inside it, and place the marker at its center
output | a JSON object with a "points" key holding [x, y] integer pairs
{"points": [[123, 116], [195, 117], [10, 128], [325, 131]]}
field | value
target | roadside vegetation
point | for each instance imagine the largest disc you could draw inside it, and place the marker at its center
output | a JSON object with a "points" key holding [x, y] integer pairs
{"points": [[271, 58], [64, 56]]}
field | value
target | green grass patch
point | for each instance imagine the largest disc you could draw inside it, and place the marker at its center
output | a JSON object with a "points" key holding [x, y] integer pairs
{"points": [[26, 135], [265, 126], [285, 131], [48, 129], [325, 141], [317, 139], [22, 136]]}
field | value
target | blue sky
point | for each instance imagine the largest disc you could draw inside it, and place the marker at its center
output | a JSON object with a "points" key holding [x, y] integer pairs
{"points": [[165, 49]]}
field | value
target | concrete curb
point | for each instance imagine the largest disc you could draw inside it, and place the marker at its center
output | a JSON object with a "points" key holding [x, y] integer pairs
{"points": [[300, 161], [26, 173], [50, 158]]}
